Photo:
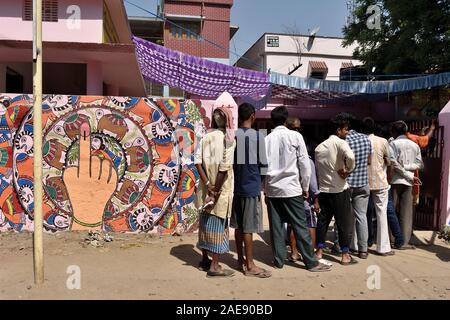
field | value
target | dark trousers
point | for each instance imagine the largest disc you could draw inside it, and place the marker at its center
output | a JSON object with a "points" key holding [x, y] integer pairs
{"points": [[371, 223], [290, 210], [403, 200], [337, 205]]}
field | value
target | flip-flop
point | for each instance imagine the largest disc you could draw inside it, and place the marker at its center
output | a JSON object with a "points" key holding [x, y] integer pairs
{"points": [[352, 261], [291, 259], [262, 274], [320, 268], [325, 262], [225, 273]]}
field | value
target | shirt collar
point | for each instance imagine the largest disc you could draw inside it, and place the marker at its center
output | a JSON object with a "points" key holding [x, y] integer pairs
{"points": [[281, 127], [333, 136]]}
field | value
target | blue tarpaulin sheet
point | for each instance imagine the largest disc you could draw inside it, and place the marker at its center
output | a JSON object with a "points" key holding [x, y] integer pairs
{"points": [[362, 87]]}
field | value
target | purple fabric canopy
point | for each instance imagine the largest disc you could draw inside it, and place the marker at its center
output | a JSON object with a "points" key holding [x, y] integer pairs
{"points": [[196, 75]]}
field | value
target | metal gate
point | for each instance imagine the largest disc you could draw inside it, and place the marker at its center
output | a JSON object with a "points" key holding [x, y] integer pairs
{"points": [[426, 213]]}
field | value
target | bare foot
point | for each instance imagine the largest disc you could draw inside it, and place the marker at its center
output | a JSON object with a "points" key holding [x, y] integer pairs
{"points": [[319, 254], [346, 258], [295, 257], [242, 265]]}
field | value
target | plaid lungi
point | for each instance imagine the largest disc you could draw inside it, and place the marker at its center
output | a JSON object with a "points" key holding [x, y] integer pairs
{"points": [[213, 234]]}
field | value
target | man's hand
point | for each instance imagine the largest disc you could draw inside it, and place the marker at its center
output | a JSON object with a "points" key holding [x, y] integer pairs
{"points": [[343, 174], [316, 207], [209, 204], [211, 190], [305, 194], [417, 181]]}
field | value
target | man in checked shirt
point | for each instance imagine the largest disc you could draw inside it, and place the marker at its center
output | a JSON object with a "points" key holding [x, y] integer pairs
{"points": [[358, 181]]}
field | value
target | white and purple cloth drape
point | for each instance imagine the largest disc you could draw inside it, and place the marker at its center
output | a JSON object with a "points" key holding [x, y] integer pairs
{"points": [[196, 75]]}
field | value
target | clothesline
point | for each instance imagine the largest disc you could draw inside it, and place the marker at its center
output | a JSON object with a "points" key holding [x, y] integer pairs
{"points": [[210, 79]]}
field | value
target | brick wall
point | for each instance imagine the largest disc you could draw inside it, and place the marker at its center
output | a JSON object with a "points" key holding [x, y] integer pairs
{"points": [[216, 27], [223, 2]]}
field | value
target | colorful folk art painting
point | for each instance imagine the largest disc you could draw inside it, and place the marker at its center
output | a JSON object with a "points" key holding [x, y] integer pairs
{"points": [[118, 164]]}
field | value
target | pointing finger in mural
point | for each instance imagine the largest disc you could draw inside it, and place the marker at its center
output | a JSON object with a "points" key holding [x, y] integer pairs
{"points": [[85, 149]]}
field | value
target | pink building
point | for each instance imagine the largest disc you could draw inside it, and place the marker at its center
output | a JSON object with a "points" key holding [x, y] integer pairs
{"points": [[87, 48], [444, 120]]}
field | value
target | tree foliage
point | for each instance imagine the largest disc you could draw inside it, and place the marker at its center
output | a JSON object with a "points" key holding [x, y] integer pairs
{"points": [[414, 36]]}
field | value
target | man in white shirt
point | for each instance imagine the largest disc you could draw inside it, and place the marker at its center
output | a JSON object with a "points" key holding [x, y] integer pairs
{"points": [[334, 163], [286, 187], [406, 158], [379, 187]]}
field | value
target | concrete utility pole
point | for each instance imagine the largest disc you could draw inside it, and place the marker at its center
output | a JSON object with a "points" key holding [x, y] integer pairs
{"points": [[37, 128]]}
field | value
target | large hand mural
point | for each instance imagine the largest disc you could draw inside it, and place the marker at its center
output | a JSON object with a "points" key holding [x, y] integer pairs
{"points": [[118, 164]]}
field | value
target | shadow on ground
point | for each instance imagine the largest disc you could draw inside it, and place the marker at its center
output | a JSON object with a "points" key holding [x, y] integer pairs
{"points": [[192, 257]]}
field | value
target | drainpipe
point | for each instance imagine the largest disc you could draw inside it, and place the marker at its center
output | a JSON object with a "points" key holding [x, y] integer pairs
{"points": [[201, 29]]}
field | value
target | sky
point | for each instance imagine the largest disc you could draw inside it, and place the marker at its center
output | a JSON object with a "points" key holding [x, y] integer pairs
{"points": [[255, 17]]}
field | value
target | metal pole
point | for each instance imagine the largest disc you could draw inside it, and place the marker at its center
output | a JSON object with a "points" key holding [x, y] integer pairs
{"points": [[37, 128]]}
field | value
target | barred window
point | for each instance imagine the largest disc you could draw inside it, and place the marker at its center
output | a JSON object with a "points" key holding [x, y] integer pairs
{"points": [[185, 30], [49, 10]]}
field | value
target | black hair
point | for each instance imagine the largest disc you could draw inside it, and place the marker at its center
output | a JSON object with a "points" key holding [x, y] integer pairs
{"points": [[384, 132], [279, 115], [354, 123], [399, 128], [368, 126], [213, 121], [340, 121], [245, 111]]}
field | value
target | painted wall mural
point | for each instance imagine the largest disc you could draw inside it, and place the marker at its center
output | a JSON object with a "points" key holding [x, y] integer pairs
{"points": [[118, 164]]}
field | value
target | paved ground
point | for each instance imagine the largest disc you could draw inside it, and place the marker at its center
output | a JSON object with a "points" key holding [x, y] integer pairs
{"points": [[144, 267]]}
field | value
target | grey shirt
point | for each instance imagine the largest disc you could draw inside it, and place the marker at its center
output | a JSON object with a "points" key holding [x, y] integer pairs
{"points": [[289, 168], [406, 158]]}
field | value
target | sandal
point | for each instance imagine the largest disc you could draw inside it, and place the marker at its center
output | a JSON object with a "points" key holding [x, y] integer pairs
{"points": [[204, 266], [352, 261], [325, 262], [224, 273], [292, 259], [320, 268], [261, 274]]}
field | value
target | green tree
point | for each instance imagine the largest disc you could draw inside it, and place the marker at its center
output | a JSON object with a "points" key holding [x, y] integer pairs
{"points": [[413, 35]]}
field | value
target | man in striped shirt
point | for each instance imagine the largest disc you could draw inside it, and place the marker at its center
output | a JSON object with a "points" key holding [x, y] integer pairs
{"points": [[359, 186]]}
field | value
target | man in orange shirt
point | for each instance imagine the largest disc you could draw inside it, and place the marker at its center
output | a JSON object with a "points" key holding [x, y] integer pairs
{"points": [[422, 141]]}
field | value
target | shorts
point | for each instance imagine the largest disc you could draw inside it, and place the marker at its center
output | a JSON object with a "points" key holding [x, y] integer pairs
{"points": [[311, 218], [247, 214]]}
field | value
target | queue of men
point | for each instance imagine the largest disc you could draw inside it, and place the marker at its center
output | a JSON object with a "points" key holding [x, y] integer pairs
{"points": [[354, 176]]}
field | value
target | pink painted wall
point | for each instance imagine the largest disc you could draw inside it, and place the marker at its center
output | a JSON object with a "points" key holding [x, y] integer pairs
{"points": [[94, 84], [444, 120], [12, 27]]}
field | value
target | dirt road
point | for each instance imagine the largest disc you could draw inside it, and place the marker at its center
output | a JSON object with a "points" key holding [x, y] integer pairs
{"points": [[144, 267]]}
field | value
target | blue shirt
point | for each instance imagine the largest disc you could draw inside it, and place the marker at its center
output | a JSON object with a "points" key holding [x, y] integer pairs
{"points": [[362, 148], [250, 162], [313, 188]]}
